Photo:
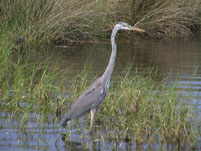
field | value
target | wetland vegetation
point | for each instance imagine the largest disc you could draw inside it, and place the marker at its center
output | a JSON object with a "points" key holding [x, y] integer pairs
{"points": [[137, 108], [89, 20]]}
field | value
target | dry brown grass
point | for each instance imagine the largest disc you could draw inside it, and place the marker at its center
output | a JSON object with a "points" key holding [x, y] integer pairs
{"points": [[163, 17], [71, 20], [88, 20]]}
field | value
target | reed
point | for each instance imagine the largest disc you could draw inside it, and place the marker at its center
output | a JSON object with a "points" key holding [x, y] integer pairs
{"points": [[163, 18], [25, 86], [140, 109], [62, 21]]}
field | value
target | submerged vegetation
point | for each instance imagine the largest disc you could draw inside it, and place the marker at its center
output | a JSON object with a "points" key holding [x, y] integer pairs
{"points": [[136, 107]]}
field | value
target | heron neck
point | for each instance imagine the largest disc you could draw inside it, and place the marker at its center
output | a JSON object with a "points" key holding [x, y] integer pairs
{"points": [[108, 72]]}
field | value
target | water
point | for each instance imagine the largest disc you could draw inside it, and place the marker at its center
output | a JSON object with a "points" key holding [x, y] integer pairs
{"points": [[176, 60]]}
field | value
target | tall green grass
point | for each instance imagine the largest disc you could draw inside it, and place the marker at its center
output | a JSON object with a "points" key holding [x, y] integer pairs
{"points": [[61, 20], [80, 20], [138, 108], [25, 86]]}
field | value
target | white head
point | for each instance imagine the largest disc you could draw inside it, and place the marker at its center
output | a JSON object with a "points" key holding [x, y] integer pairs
{"points": [[125, 26]]}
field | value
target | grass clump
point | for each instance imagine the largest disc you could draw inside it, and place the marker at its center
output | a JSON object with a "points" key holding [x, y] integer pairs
{"points": [[140, 109], [80, 20], [60, 20], [161, 18], [25, 86]]}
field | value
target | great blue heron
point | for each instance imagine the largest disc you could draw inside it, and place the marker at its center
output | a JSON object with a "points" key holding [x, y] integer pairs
{"points": [[91, 98]]}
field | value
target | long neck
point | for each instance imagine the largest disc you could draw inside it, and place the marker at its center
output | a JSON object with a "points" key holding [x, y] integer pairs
{"points": [[108, 72]]}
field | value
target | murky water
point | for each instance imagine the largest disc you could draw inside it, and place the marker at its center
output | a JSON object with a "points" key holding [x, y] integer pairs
{"points": [[178, 60]]}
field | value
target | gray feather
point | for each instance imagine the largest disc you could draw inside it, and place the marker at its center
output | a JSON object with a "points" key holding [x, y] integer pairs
{"points": [[88, 100]]}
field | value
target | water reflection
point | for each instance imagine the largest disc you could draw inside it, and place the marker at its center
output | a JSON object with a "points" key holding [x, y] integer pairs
{"points": [[178, 57], [178, 60]]}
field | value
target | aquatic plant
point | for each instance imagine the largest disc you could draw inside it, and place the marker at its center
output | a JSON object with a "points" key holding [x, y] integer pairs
{"points": [[25, 84], [62, 21], [59, 20], [140, 109], [161, 18]]}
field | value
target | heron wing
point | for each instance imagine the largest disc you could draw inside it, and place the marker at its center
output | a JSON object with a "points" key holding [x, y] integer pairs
{"points": [[88, 100]]}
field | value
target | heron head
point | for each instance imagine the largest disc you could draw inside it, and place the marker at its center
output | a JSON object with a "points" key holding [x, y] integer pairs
{"points": [[125, 26]]}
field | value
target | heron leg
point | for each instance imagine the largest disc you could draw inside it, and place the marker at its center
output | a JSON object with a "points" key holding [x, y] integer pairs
{"points": [[93, 115]]}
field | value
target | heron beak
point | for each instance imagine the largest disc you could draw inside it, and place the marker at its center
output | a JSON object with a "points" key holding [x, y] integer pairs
{"points": [[136, 29]]}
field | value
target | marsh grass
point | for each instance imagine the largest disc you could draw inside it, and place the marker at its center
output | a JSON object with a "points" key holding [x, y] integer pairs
{"points": [[163, 18], [140, 109], [137, 108], [26, 87], [62, 21]]}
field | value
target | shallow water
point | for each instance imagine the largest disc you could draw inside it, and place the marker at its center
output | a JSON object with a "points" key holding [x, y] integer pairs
{"points": [[175, 60]]}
